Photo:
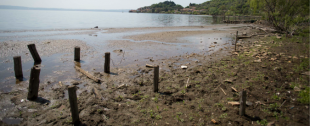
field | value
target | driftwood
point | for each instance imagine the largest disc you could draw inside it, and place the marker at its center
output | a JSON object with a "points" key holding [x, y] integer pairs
{"points": [[148, 65], [87, 74]]}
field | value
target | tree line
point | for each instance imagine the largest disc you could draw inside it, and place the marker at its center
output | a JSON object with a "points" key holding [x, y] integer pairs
{"points": [[285, 15]]}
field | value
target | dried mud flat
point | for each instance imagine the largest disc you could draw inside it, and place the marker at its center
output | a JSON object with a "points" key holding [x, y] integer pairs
{"points": [[271, 70]]}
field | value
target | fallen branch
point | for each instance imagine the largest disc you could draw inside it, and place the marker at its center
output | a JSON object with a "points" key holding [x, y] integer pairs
{"points": [[87, 74], [217, 87], [223, 90], [234, 103], [234, 89], [187, 82], [282, 104]]}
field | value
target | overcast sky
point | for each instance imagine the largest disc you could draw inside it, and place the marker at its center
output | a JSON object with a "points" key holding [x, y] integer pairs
{"points": [[91, 4]]}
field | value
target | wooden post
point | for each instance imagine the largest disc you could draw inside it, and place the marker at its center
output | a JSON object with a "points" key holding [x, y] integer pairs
{"points": [[107, 62], [236, 41], [18, 67], [34, 53], [34, 83], [73, 105], [242, 103], [77, 53], [156, 78]]}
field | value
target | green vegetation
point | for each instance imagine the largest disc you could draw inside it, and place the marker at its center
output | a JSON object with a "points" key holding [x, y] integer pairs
{"points": [[262, 122], [161, 7], [304, 94], [223, 116]]}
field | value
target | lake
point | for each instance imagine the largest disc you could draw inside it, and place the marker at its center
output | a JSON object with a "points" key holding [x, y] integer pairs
{"points": [[48, 19]]}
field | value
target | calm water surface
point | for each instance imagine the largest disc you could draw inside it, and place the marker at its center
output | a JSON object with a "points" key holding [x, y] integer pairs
{"points": [[47, 19]]}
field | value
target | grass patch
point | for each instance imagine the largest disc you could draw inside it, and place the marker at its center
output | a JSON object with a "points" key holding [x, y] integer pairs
{"points": [[304, 96]]}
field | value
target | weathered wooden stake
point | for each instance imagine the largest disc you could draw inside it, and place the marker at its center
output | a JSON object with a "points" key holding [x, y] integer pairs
{"points": [[73, 105], [236, 41], [77, 53], [156, 78], [34, 53], [34, 83], [242, 103], [107, 62], [18, 67]]}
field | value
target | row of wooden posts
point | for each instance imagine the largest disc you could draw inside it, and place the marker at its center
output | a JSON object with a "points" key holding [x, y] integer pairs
{"points": [[35, 73]]}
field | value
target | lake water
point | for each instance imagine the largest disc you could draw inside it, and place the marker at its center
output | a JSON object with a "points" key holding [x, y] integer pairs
{"points": [[47, 19]]}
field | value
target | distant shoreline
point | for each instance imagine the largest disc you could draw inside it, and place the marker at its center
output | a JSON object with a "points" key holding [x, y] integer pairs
{"points": [[60, 9]]}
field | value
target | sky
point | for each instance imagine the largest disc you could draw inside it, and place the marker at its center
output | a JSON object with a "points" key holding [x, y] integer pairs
{"points": [[91, 4]]}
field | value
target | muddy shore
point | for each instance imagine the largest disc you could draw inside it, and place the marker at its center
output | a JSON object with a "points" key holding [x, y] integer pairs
{"points": [[192, 96]]}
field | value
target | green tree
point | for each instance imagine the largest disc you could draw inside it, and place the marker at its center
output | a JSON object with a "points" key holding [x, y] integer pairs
{"points": [[213, 11], [286, 15]]}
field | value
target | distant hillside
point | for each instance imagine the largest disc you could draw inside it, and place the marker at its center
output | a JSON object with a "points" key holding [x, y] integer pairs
{"points": [[227, 7], [162, 7], [212, 7], [58, 9]]}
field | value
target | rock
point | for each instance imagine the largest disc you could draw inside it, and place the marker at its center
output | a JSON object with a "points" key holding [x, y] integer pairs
{"points": [[122, 86], [215, 42], [248, 103], [228, 80], [214, 121], [235, 53], [296, 88], [184, 67], [32, 110], [96, 27], [22, 100], [257, 61], [271, 123], [306, 73], [273, 59]]}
